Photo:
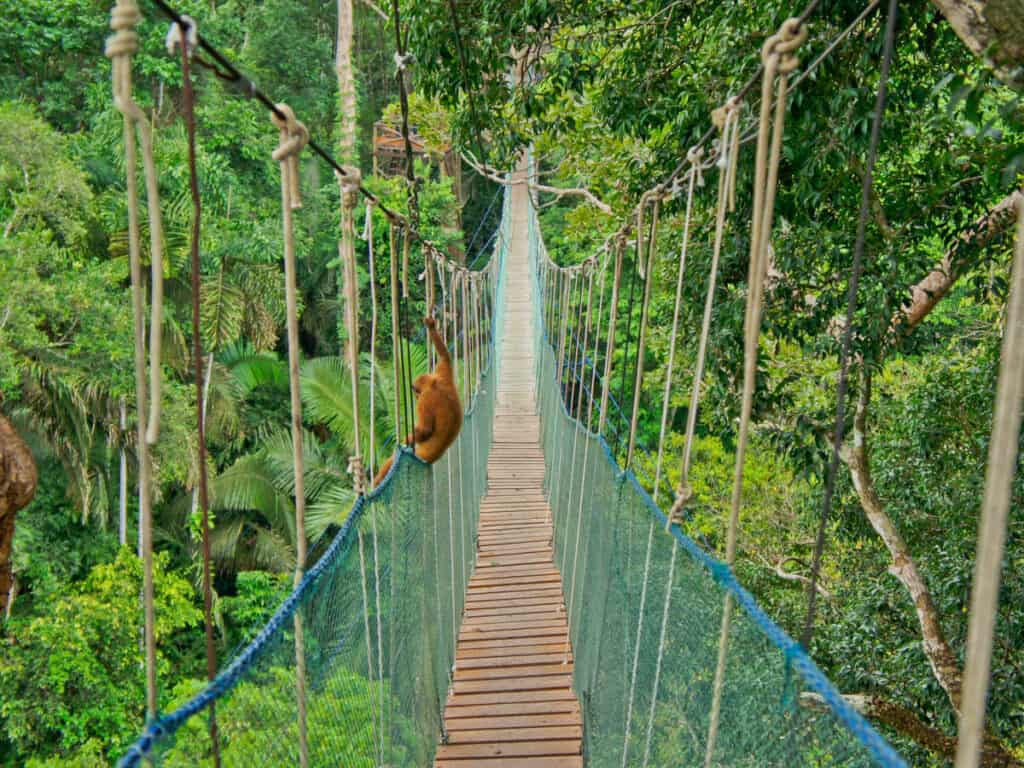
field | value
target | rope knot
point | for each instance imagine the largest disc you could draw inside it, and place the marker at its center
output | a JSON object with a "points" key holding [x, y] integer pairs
{"points": [[187, 37], [355, 468], [779, 47], [294, 138], [684, 494], [694, 156], [350, 182], [123, 20], [402, 62]]}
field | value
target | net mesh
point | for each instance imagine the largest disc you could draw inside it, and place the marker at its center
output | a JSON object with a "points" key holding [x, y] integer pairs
{"points": [[645, 608], [379, 615]]}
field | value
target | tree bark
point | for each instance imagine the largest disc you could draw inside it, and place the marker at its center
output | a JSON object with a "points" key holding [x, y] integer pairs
{"points": [[929, 291], [18, 480], [346, 84], [993, 30], [936, 648], [941, 658], [896, 716]]}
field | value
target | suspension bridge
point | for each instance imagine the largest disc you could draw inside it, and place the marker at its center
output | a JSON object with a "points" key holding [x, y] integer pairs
{"points": [[525, 601]]}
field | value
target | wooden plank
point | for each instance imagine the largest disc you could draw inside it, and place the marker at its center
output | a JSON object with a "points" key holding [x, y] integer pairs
{"points": [[509, 749], [511, 703], [560, 761]]}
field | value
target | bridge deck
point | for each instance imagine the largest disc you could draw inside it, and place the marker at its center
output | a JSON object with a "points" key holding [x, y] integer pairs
{"points": [[512, 703]]}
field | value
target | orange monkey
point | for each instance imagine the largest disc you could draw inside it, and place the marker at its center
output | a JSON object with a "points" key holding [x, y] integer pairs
{"points": [[438, 410]]}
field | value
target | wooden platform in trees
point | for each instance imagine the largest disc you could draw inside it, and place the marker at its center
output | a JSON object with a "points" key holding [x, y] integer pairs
{"points": [[512, 703]]}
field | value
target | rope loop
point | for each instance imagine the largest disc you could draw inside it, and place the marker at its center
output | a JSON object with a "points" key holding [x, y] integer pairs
{"points": [[178, 37], [778, 49], [294, 138], [123, 20]]}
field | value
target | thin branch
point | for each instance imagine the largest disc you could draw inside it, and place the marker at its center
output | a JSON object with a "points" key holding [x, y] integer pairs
{"points": [[373, 7], [489, 173]]}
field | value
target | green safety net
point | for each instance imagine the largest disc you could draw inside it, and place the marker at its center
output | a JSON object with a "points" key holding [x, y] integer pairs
{"points": [[645, 607], [379, 615]]}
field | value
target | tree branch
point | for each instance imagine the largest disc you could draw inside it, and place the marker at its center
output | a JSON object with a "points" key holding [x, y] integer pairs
{"points": [[559, 192], [373, 7], [930, 290], [778, 569]]}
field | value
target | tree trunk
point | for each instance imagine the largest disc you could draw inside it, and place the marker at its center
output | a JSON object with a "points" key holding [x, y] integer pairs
{"points": [[346, 84], [18, 479], [855, 454], [346, 133], [993, 30], [940, 655]]}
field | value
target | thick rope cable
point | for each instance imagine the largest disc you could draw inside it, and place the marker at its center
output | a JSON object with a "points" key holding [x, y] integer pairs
{"points": [[179, 37], [694, 178], [778, 57], [727, 162], [120, 47], [838, 432], [988, 563], [645, 308], [293, 138]]}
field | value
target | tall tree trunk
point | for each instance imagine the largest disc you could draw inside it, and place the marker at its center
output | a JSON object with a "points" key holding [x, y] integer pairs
{"points": [[941, 658], [18, 479], [347, 130], [993, 30], [346, 84], [855, 454]]}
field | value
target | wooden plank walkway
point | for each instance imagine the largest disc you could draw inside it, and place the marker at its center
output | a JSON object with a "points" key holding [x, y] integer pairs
{"points": [[512, 703]]}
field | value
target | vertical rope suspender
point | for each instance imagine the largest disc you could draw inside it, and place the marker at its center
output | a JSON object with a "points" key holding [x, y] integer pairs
{"points": [[120, 47], [778, 58], [988, 564], [293, 138]]}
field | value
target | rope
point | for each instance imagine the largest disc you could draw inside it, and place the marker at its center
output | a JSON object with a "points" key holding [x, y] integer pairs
{"points": [[636, 647], [177, 36], [609, 353], [652, 252], [586, 456], [368, 237], [396, 363], [119, 49], [347, 254], [629, 340], [778, 57], [1002, 468], [366, 632], [695, 176], [727, 162], [583, 345], [293, 138], [661, 652], [851, 308]]}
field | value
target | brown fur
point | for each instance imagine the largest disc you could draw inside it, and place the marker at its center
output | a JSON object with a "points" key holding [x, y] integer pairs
{"points": [[438, 410]]}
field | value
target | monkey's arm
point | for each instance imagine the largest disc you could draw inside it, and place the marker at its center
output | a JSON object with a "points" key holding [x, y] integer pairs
{"points": [[424, 423], [439, 345]]}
